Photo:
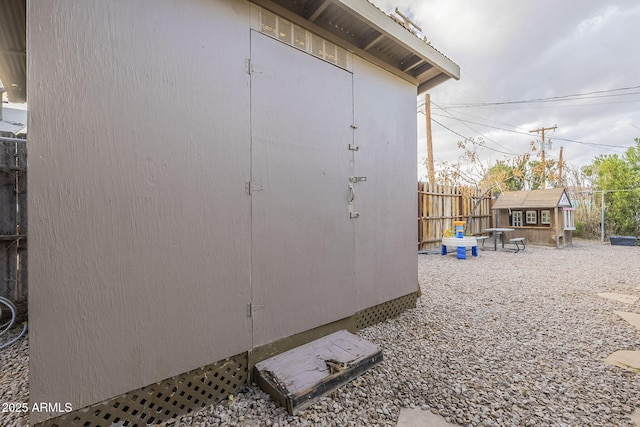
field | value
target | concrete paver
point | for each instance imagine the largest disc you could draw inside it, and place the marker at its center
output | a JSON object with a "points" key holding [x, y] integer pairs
{"points": [[419, 418], [627, 299], [626, 359], [633, 318]]}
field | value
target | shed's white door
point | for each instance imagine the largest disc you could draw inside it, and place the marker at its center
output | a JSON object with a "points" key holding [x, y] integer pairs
{"points": [[302, 238]]}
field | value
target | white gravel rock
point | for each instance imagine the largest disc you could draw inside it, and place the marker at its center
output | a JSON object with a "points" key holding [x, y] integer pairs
{"points": [[14, 381], [503, 339]]}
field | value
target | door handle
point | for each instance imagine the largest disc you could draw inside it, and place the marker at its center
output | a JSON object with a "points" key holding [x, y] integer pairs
{"points": [[352, 195]]}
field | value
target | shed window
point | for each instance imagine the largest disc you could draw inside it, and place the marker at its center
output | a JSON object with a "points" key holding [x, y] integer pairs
{"points": [[569, 222], [532, 217], [516, 218], [545, 217]]}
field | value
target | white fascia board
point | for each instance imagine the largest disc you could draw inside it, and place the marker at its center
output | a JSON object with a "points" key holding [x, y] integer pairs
{"points": [[379, 20]]}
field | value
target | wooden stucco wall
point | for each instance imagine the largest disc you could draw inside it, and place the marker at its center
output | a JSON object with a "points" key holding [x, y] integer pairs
{"points": [[142, 221]]}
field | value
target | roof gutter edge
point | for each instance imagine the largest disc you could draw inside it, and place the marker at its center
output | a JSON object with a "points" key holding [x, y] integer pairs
{"points": [[369, 13]]}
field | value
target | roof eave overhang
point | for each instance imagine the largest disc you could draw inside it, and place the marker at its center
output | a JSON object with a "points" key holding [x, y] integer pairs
{"points": [[421, 64], [404, 54], [524, 207], [367, 12]]}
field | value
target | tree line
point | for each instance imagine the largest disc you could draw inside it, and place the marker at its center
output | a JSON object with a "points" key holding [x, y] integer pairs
{"points": [[614, 179]]}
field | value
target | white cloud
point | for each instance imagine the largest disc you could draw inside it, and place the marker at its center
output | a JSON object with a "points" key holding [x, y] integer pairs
{"points": [[596, 23], [513, 50]]}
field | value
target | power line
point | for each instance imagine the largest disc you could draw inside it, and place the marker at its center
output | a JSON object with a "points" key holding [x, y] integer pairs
{"points": [[488, 120], [537, 106], [526, 133], [450, 130], [535, 101], [571, 97], [532, 101], [476, 131], [466, 138]]}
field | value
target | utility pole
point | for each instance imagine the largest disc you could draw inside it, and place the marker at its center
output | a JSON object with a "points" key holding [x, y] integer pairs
{"points": [[543, 147], [560, 160], [427, 114], [1, 100]]}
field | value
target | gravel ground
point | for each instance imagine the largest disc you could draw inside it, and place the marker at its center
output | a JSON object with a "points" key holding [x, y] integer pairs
{"points": [[14, 380], [504, 339]]}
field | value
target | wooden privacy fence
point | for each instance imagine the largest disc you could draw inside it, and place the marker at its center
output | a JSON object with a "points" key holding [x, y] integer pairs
{"points": [[13, 222], [440, 205]]}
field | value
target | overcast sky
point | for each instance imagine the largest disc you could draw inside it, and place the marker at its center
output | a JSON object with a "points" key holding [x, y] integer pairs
{"points": [[530, 49]]}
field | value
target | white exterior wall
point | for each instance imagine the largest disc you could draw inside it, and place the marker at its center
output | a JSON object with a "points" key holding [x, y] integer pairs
{"points": [[140, 254], [139, 249], [386, 249]]}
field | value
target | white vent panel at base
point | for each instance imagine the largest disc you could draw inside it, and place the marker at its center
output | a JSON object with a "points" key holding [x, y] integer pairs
{"points": [[272, 25]]}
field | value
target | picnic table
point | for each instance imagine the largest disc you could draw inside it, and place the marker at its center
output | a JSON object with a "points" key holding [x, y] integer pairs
{"points": [[495, 232]]}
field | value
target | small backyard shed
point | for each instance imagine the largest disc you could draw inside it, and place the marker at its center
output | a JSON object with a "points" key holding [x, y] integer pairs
{"points": [[542, 217], [212, 182]]}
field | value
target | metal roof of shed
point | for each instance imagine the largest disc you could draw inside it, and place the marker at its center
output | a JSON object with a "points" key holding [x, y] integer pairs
{"points": [[533, 199], [367, 31]]}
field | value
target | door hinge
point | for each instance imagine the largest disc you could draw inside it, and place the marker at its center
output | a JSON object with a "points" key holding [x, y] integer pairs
{"points": [[249, 68], [251, 188], [252, 308]]}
